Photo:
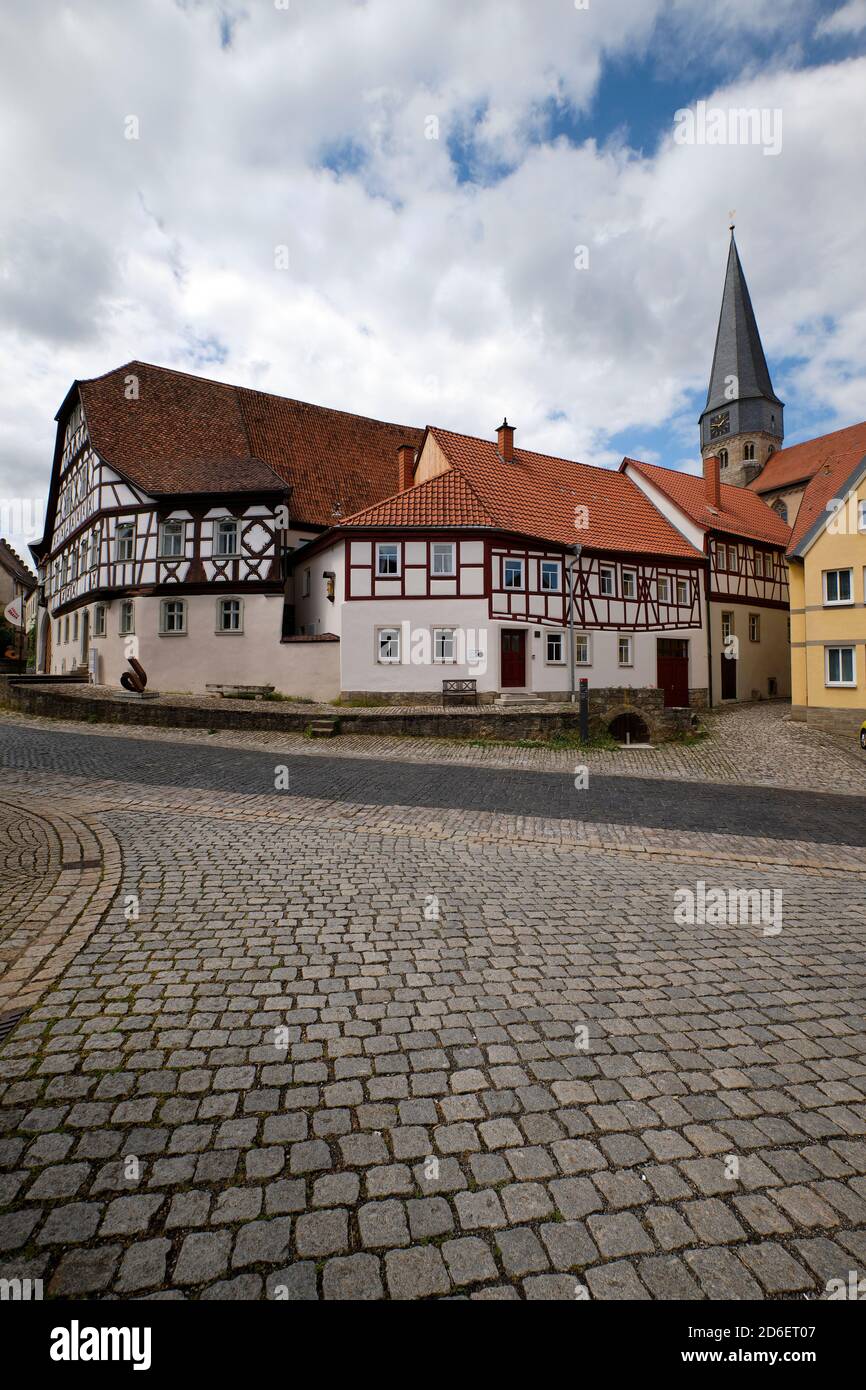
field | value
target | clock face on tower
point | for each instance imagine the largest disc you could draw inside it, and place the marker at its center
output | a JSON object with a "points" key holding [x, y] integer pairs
{"points": [[720, 424]]}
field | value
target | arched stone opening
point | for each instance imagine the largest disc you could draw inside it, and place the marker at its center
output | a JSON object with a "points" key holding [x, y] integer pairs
{"points": [[629, 727]]}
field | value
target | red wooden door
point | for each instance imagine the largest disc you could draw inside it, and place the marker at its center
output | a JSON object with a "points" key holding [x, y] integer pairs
{"points": [[673, 670], [513, 658]]}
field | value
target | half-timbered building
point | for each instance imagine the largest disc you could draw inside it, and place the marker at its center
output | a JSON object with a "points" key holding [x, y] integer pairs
{"points": [[470, 572], [174, 505], [744, 542]]}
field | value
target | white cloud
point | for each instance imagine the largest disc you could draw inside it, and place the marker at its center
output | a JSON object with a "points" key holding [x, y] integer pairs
{"points": [[409, 294], [849, 19]]}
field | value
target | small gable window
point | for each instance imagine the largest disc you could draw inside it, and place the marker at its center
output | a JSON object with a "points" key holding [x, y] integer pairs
{"points": [[780, 509]]}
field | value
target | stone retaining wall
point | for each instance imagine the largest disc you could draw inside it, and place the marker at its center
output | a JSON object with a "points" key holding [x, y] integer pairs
{"points": [[489, 722]]}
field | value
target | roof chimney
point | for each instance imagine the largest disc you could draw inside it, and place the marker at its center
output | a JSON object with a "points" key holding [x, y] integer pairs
{"points": [[712, 483], [505, 439], [406, 466]]}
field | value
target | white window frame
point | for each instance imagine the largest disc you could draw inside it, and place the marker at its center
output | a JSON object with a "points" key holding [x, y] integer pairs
{"points": [[629, 577], [630, 645], [838, 602], [548, 568], [164, 629], [606, 577], [127, 606], [439, 654], [861, 515], [840, 647], [93, 550], [392, 636], [578, 638], [100, 617], [442, 550], [663, 595], [221, 629], [381, 547], [507, 561], [220, 530], [682, 585], [550, 637], [124, 545], [754, 627], [164, 527]]}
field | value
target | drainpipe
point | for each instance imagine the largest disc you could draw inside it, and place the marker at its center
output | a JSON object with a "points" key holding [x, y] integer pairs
{"points": [[575, 560], [709, 638]]}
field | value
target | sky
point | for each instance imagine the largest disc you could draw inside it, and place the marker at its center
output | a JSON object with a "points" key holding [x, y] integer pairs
{"points": [[431, 212]]}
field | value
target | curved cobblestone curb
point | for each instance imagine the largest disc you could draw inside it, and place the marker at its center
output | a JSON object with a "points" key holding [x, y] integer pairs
{"points": [[84, 869]]}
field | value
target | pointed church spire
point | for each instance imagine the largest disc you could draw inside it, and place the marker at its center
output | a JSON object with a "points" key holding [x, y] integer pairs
{"points": [[742, 419]]}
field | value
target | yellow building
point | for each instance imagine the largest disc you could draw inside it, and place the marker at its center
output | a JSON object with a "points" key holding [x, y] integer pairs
{"points": [[827, 577]]}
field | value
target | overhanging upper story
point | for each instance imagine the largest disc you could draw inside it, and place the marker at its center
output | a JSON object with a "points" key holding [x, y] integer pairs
{"points": [[743, 539]]}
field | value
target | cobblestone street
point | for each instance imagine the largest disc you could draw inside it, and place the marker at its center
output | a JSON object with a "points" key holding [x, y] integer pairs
{"points": [[423, 1026]]}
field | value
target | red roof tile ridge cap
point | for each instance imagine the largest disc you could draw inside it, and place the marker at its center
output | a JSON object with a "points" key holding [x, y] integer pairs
{"points": [[247, 390], [819, 438], [556, 458]]}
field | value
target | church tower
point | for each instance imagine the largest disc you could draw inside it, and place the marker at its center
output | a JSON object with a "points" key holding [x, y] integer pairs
{"points": [[742, 422]]}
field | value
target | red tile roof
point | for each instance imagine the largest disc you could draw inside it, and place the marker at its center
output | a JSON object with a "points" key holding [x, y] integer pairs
{"points": [[802, 461], [447, 500], [828, 483], [188, 434], [535, 495], [742, 513]]}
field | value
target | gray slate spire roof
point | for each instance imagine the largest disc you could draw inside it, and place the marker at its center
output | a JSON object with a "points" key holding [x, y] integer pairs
{"points": [[738, 343]]}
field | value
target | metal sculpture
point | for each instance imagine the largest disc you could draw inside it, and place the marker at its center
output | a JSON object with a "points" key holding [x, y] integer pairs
{"points": [[134, 681]]}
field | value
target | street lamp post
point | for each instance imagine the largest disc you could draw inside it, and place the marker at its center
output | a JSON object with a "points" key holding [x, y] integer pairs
{"points": [[573, 560]]}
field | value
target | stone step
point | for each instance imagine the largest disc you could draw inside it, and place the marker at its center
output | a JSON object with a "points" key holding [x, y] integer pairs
{"points": [[524, 697], [322, 728]]}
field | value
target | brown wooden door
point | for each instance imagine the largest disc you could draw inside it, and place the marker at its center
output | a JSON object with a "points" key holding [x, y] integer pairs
{"points": [[672, 656], [513, 658]]}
